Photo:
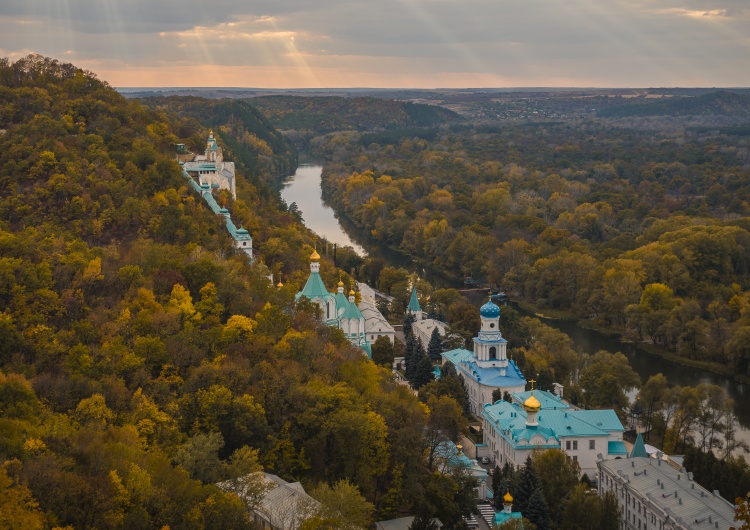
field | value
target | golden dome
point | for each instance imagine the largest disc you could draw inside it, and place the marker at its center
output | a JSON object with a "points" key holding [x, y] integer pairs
{"points": [[508, 498], [351, 293], [341, 284], [532, 404], [315, 256], [279, 285]]}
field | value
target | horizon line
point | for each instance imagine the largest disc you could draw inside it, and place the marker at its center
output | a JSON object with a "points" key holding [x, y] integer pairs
{"points": [[151, 88]]}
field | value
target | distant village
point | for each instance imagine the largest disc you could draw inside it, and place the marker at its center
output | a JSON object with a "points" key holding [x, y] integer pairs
{"points": [[653, 490]]}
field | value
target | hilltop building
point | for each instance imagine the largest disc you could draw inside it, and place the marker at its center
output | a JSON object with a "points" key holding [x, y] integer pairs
{"points": [[653, 495], [486, 368], [211, 169], [204, 184], [540, 420], [362, 324]]}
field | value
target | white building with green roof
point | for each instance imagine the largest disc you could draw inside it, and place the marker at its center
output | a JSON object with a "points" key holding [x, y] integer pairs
{"points": [[336, 309], [540, 420], [211, 169]]}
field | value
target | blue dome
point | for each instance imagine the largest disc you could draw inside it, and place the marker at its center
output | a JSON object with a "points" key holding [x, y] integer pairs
{"points": [[489, 310]]}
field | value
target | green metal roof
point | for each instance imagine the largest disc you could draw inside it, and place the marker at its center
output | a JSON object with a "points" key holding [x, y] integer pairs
{"points": [[315, 288], [352, 311], [639, 448], [616, 448], [414, 302]]}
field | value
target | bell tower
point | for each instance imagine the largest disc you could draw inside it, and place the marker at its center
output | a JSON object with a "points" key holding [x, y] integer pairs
{"points": [[489, 344]]}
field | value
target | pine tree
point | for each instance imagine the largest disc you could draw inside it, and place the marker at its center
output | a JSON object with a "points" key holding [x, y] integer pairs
{"points": [[528, 482], [499, 486], [408, 321], [424, 372], [435, 347], [410, 359], [537, 511]]}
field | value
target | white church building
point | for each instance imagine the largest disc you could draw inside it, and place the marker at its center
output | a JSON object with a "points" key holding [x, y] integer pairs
{"points": [[486, 368], [362, 324], [211, 170]]}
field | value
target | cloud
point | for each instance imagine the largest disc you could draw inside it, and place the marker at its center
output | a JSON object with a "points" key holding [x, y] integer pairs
{"points": [[428, 42]]}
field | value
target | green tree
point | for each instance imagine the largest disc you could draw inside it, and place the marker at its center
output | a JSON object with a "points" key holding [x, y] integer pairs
{"points": [[560, 476], [342, 506], [606, 378], [411, 356], [423, 373], [526, 484], [435, 346], [382, 352], [537, 511], [409, 319]]}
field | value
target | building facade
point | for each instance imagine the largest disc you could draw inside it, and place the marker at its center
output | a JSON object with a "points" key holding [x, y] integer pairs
{"points": [[653, 495], [541, 420], [204, 185], [487, 368], [211, 169], [362, 323]]}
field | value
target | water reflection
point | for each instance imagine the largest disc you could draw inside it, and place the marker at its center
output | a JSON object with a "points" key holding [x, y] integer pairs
{"points": [[303, 188]]}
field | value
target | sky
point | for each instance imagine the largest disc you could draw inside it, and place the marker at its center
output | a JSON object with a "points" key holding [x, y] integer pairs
{"points": [[389, 43]]}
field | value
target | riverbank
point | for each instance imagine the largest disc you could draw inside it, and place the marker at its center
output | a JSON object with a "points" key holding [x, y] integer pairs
{"points": [[651, 349], [586, 336]]}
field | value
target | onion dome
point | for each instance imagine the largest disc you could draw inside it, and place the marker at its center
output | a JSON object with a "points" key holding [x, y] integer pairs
{"points": [[532, 404], [508, 498], [341, 284], [279, 285], [351, 293], [489, 310], [315, 256]]}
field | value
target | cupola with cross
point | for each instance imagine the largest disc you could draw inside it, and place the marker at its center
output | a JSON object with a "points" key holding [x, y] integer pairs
{"points": [[489, 345]]}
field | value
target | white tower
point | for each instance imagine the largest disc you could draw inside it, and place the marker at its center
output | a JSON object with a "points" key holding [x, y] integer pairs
{"points": [[489, 344]]}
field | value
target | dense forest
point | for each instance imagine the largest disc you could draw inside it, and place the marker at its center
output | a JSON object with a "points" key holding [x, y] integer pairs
{"points": [[303, 118], [638, 231], [142, 360], [257, 148]]}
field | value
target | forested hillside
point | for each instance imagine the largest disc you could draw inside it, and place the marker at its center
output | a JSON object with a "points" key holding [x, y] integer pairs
{"points": [[142, 360], [257, 149], [640, 232], [719, 103], [313, 116]]}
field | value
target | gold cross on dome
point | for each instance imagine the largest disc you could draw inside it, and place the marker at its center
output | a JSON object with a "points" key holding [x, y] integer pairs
{"points": [[532, 383]]}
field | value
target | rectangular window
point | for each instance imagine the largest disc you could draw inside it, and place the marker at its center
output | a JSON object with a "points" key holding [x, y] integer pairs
{"points": [[575, 445], [575, 458], [592, 444], [567, 445]]}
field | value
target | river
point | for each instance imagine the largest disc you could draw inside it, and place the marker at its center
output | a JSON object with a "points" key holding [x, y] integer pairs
{"points": [[304, 189]]}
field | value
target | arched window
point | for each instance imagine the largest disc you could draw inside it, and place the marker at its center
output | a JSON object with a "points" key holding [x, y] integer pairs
{"points": [[493, 352]]}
